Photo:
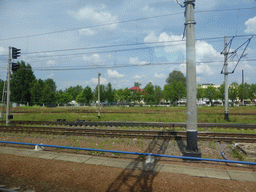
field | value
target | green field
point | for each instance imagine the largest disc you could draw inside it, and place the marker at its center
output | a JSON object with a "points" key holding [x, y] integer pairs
{"points": [[139, 114]]}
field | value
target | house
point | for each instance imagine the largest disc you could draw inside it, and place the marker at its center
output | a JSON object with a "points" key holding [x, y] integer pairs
{"points": [[139, 98], [137, 89]]}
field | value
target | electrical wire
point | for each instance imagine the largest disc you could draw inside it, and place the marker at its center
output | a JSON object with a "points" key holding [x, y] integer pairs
{"points": [[125, 21], [88, 67], [130, 44]]}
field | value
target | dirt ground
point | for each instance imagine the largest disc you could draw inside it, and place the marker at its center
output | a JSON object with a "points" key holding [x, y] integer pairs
{"points": [[49, 175]]}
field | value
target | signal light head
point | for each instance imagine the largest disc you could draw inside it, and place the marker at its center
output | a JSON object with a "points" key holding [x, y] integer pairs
{"points": [[15, 53], [15, 67]]}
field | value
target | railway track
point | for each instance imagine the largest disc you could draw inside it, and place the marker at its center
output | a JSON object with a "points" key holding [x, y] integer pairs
{"points": [[178, 135], [132, 124], [126, 112]]}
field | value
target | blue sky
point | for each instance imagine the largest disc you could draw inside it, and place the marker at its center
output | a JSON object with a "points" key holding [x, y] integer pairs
{"points": [[126, 41]]}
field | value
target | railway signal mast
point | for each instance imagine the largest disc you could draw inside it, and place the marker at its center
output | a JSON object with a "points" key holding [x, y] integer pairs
{"points": [[191, 149], [14, 53]]}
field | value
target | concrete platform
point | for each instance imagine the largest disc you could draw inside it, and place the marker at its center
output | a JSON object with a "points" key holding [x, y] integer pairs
{"points": [[213, 173], [241, 176], [137, 165]]}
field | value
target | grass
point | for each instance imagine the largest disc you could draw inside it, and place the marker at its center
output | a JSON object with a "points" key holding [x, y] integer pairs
{"points": [[237, 155], [139, 114]]}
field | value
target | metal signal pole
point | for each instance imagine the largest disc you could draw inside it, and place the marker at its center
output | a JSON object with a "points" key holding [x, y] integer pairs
{"points": [[243, 86], [191, 149], [99, 95], [226, 113], [8, 87]]}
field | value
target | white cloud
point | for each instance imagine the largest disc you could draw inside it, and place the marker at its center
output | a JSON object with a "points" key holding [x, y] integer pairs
{"points": [[3, 51], [181, 68], [114, 73], [173, 42], [101, 17], [151, 37], [159, 75], [95, 81], [87, 32], [50, 62], [137, 77], [50, 76], [95, 58], [206, 52], [204, 69], [136, 60], [147, 8], [251, 25]]}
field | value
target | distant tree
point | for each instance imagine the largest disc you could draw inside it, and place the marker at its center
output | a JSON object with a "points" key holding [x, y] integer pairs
{"points": [[85, 96], [233, 91], [88, 94], [20, 83], [74, 91], [102, 93], [221, 92], [80, 98], [137, 84], [168, 93], [149, 93], [36, 90], [252, 94], [48, 95], [109, 93], [200, 92], [176, 76], [119, 95], [51, 84], [62, 97], [179, 90], [211, 93], [127, 95], [1, 88], [244, 91], [158, 94]]}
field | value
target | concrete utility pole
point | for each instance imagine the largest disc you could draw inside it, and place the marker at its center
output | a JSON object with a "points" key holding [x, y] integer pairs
{"points": [[99, 95], [191, 149], [226, 113]]}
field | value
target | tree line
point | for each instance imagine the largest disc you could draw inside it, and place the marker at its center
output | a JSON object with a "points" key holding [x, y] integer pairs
{"points": [[25, 88]]}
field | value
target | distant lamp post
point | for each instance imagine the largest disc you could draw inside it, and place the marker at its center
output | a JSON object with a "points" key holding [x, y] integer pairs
{"points": [[99, 95]]}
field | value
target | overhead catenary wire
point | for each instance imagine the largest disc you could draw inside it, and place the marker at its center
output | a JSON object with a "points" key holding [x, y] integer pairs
{"points": [[124, 21], [89, 67], [119, 45]]}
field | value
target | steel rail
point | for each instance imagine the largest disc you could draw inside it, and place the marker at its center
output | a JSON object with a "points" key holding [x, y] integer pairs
{"points": [[130, 133], [142, 124], [127, 112]]}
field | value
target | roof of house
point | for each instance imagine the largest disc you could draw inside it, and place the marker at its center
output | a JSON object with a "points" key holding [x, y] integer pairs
{"points": [[136, 88]]}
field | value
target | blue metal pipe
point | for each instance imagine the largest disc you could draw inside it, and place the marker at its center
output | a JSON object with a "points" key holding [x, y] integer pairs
{"points": [[222, 154], [133, 153]]}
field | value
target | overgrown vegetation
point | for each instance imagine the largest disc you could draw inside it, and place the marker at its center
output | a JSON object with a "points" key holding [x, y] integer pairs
{"points": [[139, 114]]}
